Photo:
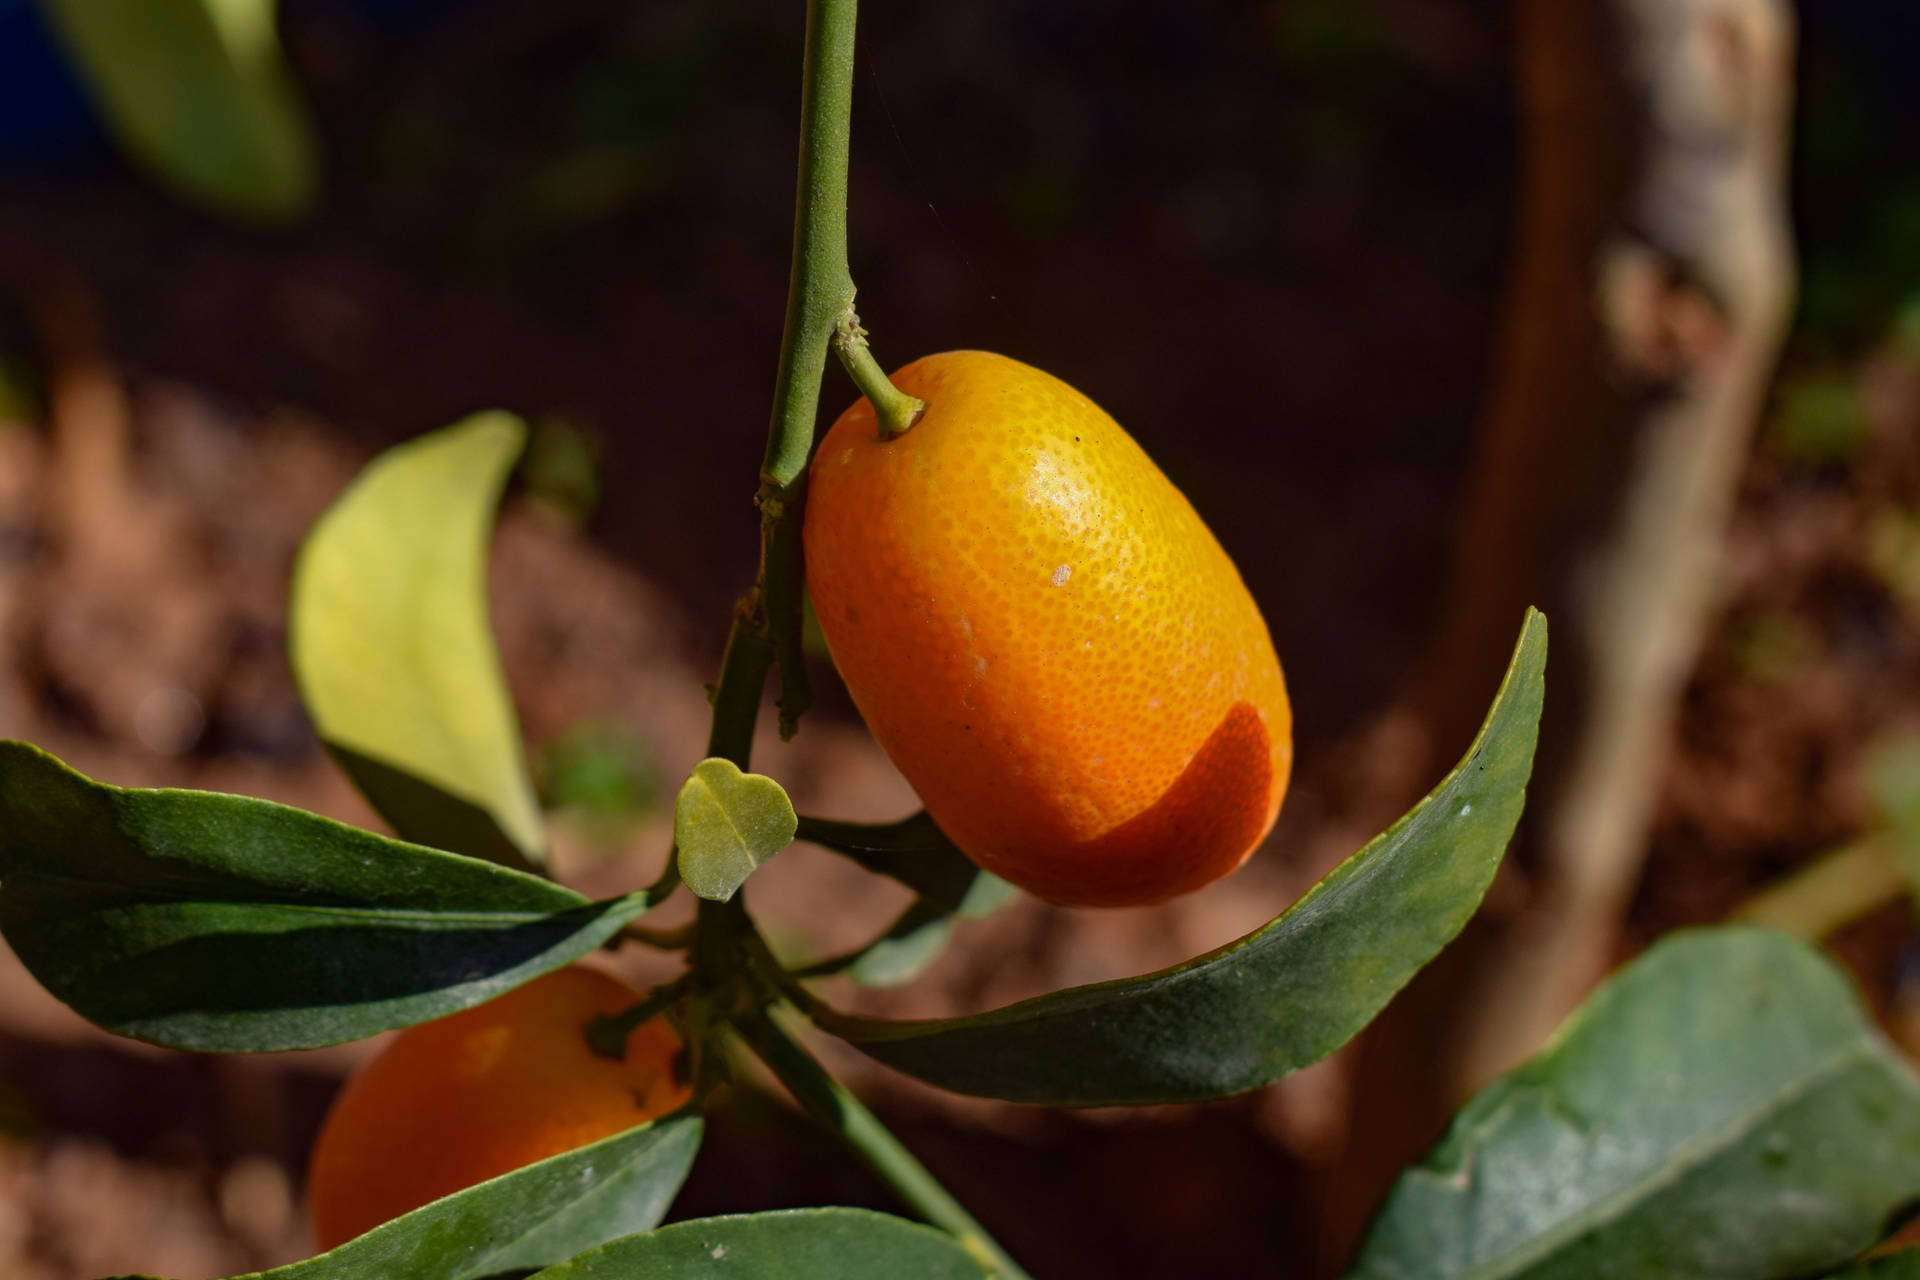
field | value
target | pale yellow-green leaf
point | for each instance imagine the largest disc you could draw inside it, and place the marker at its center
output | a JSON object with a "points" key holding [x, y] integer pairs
{"points": [[391, 643], [726, 823], [198, 92]]}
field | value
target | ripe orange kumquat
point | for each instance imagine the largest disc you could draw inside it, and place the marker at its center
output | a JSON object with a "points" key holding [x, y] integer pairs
{"points": [[1046, 638], [480, 1093]]}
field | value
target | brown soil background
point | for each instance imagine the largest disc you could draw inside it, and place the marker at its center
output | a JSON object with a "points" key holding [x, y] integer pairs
{"points": [[1272, 252]]}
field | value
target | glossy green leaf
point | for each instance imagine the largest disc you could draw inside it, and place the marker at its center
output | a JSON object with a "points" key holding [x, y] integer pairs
{"points": [[390, 640], [915, 939], [725, 824], [1280, 998], [910, 944], [1722, 1107], [792, 1244], [524, 1220], [198, 92], [209, 921], [916, 853]]}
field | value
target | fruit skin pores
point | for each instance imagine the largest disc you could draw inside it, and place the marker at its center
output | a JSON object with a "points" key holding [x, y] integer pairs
{"points": [[1046, 638]]}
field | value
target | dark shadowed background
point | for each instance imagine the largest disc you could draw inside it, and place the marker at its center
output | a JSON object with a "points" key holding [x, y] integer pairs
{"points": [[1269, 238]]}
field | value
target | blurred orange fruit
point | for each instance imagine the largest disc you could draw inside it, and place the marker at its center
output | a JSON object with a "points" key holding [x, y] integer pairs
{"points": [[480, 1093], [1045, 637]]}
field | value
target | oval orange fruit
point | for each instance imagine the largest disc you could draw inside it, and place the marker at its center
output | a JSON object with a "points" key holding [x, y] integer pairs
{"points": [[1045, 637], [480, 1093]]}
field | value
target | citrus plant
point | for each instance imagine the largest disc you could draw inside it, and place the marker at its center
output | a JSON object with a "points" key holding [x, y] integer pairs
{"points": [[1061, 659]]}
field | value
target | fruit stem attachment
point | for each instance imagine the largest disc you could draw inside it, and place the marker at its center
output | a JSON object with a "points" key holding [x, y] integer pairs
{"points": [[834, 1107], [895, 409]]}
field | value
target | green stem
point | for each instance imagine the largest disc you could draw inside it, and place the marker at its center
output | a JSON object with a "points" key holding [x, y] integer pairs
{"points": [[766, 627], [1832, 891], [819, 292], [721, 987], [833, 1106], [819, 286], [895, 409], [662, 889], [775, 981], [736, 698]]}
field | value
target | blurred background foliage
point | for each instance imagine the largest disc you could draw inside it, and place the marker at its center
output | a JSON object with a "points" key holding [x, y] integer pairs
{"points": [[1269, 236]]}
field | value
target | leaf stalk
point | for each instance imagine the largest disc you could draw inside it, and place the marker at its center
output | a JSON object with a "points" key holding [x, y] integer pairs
{"points": [[895, 409], [607, 1033], [834, 1106]]}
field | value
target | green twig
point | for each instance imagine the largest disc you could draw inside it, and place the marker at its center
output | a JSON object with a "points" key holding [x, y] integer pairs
{"points": [[736, 698], [607, 1033], [785, 578], [819, 286], [766, 631], [775, 982], [819, 291], [663, 888], [766, 626], [832, 1105], [718, 925]]}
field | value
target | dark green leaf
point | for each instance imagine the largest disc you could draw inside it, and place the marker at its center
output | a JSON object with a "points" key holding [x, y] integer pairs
{"points": [[219, 922], [389, 636], [792, 1244], [916, 853], [901, 954], [1280, 998], [915, 939], [197, 91], [524, 1220], [1720, 1108], [725, 824]]}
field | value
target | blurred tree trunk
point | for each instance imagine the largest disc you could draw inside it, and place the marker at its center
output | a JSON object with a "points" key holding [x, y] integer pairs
{"points": [[1644, 312]]}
